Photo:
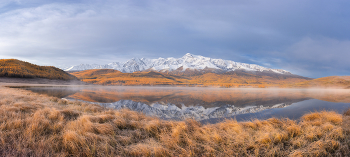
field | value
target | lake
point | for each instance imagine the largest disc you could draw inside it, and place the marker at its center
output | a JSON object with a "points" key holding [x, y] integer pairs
{"points": [[208, 105]]}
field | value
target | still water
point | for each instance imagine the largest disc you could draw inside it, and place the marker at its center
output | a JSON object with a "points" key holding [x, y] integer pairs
{"points": [[208, 105]]}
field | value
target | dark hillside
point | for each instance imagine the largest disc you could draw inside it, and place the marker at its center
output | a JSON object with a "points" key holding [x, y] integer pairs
{"points": [[19, 69]]}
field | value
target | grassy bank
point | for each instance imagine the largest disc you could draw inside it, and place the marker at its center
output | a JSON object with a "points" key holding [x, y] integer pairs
{"points": [[37, 125]]}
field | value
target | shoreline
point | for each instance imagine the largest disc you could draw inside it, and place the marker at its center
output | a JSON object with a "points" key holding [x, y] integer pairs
{"points": [[41, 82], [5, 81]]}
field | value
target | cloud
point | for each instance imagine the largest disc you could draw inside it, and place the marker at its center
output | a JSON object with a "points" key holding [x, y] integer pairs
{"points": [[269, 33], [91, 31], [317, 56]]}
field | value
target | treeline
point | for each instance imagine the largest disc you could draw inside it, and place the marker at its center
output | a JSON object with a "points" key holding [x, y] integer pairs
{"points": [[20, 69]]}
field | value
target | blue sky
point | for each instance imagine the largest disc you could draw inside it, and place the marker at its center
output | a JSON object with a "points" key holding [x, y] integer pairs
{"points": [[307, 37]]}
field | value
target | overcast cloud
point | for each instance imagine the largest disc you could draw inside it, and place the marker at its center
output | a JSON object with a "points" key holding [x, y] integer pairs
{"points": [[307, 37]]}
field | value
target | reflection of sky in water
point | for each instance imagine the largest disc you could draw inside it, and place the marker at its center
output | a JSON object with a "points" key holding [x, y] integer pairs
{"points": [[197, 102]]}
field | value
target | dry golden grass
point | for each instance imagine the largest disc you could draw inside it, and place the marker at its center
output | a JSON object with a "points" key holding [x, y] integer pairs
{"points": [[326, 82], [233, 79], [37, 125]]}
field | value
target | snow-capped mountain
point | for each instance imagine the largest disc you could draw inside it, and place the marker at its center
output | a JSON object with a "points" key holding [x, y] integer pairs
{"points": [[188, 61]]}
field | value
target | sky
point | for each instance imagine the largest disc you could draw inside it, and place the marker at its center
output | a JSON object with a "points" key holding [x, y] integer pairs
{"points": [[306, 37]]}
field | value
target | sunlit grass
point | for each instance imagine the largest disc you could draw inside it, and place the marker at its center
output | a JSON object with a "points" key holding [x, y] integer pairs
{"points": [[37, 125]]}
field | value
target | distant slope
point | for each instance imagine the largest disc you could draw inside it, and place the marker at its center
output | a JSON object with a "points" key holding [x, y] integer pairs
{"points": [[229, 79], [114, 77], [326, 82], [242, 78], [20, 69]]}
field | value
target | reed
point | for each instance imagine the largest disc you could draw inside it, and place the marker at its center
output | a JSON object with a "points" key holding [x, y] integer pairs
{"points": [[38, 125]]}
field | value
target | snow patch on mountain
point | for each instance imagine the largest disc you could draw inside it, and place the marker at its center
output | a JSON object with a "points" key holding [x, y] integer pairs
{"points": [[188, 61]]}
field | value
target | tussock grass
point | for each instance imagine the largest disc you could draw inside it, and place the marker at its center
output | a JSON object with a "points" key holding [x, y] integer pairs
{"points": [[37, 125]]}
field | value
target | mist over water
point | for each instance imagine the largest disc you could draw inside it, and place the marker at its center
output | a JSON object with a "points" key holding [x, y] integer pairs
{"points": [[209, 105]]}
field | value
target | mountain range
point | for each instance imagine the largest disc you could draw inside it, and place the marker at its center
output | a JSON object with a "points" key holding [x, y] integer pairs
{"points": [[187, 70], [187, 62]]}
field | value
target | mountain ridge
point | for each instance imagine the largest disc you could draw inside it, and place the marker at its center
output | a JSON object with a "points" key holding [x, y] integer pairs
{"points": [[188, 61]]}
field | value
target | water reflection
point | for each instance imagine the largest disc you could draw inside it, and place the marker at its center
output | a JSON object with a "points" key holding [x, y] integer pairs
{"points": [[208, 104], [294, 111]]}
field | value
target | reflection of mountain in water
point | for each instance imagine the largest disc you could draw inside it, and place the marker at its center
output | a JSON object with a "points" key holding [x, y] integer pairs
{"points": [[205, 97], [197, 103], [171, 111]]}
